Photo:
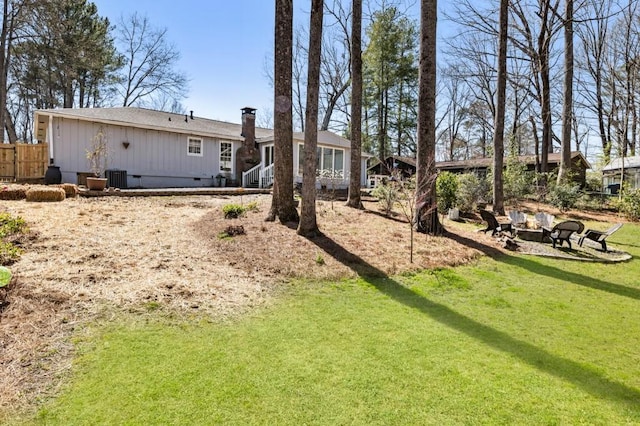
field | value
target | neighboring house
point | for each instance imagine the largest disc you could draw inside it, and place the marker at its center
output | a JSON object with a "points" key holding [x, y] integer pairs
{"points": [[480, 166], [154, 149], [611, 174], [392, 164], [396, 165]]}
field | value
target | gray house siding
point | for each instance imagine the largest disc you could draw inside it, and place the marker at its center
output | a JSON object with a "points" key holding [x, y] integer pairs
{"points": [[152, 147], [152, 158]]}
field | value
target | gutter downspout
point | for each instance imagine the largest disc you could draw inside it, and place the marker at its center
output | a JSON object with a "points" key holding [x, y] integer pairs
{"points": [[50, 139]]}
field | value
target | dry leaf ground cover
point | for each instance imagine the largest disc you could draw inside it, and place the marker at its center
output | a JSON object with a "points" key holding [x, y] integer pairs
{"points": [[90, 258]]}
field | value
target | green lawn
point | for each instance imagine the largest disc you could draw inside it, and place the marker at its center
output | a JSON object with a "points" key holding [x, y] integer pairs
{"points": [[516, 340]]}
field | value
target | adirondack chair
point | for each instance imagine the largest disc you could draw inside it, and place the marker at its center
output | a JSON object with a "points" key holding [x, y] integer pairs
{"points": [[544, 220], [518, 219], [599, 236], [493, 225], [563, 231]]}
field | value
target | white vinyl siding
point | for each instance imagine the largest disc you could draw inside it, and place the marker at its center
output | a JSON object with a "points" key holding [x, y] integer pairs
{"points": [[194, 147]]}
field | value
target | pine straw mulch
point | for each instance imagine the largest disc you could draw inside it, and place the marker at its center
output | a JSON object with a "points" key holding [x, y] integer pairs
{"points": [[88, 259]]}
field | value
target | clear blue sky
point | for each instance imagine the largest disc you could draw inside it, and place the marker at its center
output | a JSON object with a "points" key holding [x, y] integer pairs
{"points": [[223, 47]]}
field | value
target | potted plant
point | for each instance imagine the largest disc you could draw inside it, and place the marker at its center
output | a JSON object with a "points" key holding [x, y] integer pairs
{"points": [[97, 158]]}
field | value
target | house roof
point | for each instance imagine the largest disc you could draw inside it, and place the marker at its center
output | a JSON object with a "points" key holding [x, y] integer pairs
{"points": [[156, 120], [475, 163], [407, 160], [629, 163], [179, 123], [325, 137], [396, 158]]}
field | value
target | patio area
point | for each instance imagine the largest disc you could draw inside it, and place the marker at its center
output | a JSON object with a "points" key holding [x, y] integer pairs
{"points": [[589, 252]]}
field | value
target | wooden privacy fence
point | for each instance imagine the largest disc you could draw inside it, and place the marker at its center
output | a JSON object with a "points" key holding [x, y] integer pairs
{"points": [[23, 161]]}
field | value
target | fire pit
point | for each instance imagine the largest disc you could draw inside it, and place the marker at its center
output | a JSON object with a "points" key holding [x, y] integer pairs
{"points": [[536, 235]]}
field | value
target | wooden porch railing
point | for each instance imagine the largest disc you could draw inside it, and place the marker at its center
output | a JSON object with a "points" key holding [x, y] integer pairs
{"points": [[250, 176], [266, 176]]}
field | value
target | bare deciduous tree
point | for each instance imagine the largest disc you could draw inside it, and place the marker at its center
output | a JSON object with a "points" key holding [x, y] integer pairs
{"points": [[534, 38], [150, 62], [593, 35], [12, 13], [335, 67]]}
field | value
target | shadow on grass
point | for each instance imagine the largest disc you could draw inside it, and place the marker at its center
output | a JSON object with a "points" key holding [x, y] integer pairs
{"points": [[580, 375], [549, 271], [618, 243]]}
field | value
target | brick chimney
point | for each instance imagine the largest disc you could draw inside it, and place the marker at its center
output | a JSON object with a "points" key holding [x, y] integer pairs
{"points": [[249, 126], [248, 155]]}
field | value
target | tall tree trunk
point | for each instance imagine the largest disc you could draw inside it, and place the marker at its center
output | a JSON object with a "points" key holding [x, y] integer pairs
{"points": [[543, 64], [308, 225], [400, 124], [547, 144], [354, 199], [567, 107], [331, 105], [426, 215], [606, 142], [4, 62], [10, 127], [498, 136], [68, 92], [9, 18], [536, 142], [382, 154], [282, 205]]}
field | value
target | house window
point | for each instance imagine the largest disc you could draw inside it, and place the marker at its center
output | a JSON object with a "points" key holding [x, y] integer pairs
{"points": [[226, 156], [329, 160], [268, 155], [194, 147]]}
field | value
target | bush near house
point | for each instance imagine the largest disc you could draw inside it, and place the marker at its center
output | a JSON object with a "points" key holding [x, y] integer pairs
{"points": [[446, 190], [10, 226], [629, 205], [564, 196], [471, 191], [233, 211], [387, 194], [517, 180]]}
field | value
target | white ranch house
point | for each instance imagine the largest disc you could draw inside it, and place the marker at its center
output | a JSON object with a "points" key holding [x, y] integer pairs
{"points": [[156, 149]]}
